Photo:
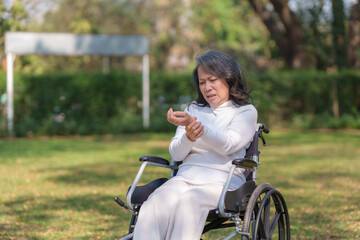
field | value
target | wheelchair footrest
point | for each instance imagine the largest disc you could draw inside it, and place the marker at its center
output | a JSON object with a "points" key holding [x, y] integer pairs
{"points": [[121, 203]]}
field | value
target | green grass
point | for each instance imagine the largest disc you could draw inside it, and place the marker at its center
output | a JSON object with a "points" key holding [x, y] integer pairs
{"points": [[62, 188]]}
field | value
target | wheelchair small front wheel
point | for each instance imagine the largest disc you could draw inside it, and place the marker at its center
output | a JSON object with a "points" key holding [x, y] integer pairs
{"points": [[266, 215]]}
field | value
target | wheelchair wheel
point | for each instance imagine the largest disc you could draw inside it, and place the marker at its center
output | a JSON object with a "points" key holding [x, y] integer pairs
{"points": [[266, 215]]}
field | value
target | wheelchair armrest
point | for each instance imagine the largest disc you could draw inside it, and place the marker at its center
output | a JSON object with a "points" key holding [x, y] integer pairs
{"points": [[147, 160], [245, 163], [154, 159]]}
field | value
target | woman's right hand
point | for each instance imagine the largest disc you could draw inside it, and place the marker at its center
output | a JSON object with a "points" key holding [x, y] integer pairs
{"points": [[179, 118], [193, 128]]}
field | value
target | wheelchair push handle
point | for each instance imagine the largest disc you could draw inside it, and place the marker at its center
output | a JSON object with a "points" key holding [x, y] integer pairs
{"points": [[262, 128], [266, 130]]}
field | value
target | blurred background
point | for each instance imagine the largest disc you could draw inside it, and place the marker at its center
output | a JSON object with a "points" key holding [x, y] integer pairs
{"points": [[301, 60]]}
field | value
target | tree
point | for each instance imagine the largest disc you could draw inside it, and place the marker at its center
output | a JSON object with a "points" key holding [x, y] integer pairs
{"points": [[10, 20], [177, 29], [310, 35], [3, 27], [353, 53], [285, 30], [338, 33], [83, 17]]}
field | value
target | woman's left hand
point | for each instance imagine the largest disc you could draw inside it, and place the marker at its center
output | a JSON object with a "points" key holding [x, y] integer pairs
{"points": [[179, 118], [194, 130]]}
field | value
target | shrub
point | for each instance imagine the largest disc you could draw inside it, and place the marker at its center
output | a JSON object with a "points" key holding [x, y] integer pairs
{"points": [[301, 97], [93, 103]]}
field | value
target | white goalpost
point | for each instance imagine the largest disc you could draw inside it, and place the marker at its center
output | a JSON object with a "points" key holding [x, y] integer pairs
{"points": [[25, 43]]}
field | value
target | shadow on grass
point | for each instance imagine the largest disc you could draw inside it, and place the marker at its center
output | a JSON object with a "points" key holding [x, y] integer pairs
{"points": [[106, 173], [23, 148], [88, 174], [31, 217], [47, 147], [96, 210], [324, 202], [19, 229]]}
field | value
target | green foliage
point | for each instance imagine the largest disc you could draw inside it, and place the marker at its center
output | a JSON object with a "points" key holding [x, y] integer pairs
{"points": [[11, 20], [93, 103], [77, 103], [316, 33], [177, 30], [338, 33], [306, 98]]}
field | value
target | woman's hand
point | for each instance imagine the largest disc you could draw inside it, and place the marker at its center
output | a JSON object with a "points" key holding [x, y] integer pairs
{"points": [[194, 130], [179, 118]]}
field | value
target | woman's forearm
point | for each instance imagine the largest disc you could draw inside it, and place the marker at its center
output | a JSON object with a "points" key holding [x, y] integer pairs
{"points": [[180, 146]]}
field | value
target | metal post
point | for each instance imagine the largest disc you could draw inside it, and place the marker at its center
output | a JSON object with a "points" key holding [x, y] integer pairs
{"points": [[106, 65], [146, 90], [10, 58]]}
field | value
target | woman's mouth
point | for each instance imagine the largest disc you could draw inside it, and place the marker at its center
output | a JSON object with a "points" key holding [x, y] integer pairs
{"points": [[211, 96]]}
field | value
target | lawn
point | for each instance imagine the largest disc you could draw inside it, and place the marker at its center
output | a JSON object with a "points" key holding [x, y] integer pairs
{"points": [[63, 187]]}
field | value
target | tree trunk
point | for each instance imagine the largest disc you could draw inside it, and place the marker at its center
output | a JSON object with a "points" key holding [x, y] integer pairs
{"points": [[354, 37], [338, 33], [285, 30]]}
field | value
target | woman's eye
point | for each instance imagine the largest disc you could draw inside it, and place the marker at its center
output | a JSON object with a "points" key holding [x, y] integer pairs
{"points": [[213, 80], [202, 83]]}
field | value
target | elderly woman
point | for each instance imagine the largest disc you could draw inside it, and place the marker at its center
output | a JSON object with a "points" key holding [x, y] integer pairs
{"points": [[211, 132]]}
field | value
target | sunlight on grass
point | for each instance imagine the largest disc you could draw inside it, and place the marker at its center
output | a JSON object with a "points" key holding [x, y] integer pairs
{"points": [[62, 188]]}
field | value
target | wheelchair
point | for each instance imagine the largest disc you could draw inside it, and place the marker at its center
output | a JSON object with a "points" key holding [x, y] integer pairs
{"points": [[252, 211]]}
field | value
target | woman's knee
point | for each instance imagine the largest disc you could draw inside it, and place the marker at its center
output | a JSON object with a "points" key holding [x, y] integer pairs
{"points": [[188, 201], [196, 199], [163, 199]]}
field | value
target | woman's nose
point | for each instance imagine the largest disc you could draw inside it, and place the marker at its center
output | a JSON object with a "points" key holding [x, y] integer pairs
{"points": [[207, 86]]}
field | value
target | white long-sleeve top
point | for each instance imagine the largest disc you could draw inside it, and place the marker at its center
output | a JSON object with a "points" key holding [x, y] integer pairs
{"points": [[228, 131]]}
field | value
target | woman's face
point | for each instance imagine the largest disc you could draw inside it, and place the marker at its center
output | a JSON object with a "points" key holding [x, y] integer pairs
{"points": [[215, 90]]}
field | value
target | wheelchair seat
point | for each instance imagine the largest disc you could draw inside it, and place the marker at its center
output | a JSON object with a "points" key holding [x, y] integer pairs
{"points": [[141, 193]]}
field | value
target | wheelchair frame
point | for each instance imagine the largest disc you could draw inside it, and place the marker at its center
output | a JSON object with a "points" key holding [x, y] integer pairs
{"points": [[248, 208]]}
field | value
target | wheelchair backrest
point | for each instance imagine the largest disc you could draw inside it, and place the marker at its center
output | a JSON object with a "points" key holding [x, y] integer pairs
{"points": [[253, 150]]}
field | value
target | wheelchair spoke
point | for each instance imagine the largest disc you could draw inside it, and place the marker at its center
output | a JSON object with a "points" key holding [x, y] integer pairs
{"points": [[273, 224], [266, 215], [264, 221], [261, 229]]}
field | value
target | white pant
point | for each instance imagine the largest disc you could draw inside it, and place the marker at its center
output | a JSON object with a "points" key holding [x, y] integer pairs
{"points": [[176, 210]]}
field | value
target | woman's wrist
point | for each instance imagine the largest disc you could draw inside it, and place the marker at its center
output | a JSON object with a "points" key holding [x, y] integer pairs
{"points": [[194, 130], [190, 138]]}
